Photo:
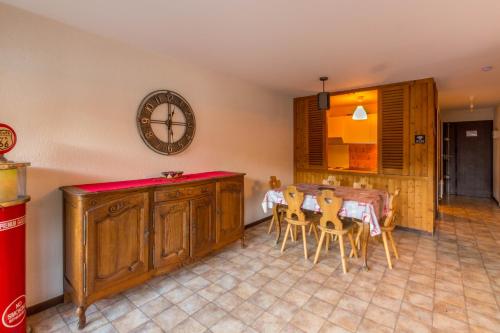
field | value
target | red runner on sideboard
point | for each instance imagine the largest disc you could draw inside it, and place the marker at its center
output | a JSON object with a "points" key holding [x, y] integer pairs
{"points": [[126, 184]]}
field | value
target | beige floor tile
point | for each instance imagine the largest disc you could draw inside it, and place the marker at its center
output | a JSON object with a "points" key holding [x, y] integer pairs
{"points": [[228, 301], [386, 302], [484, 321], [442, 323], [130, 321], [247, 312], [329, 295], [118, 309], [170, 318], [451, 311], [283, 310], [228, 324], [353, 304], [212, 292], [369, 326], [331, 328], [263, 299], [152, 308], [209, 315], [419, 300], [296, 297], [49, 323], [346, 319], [409, 325], [318, 307], [178, 294], [382, 316], [141, 294], [192, 304], [148, 327], [267, 323], [189, 326], [244, 290], [416, 313], [307, 321]]}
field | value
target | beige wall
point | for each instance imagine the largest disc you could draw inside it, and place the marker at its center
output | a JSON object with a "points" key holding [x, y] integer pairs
{"points": [[72, 98], [496, 155]]}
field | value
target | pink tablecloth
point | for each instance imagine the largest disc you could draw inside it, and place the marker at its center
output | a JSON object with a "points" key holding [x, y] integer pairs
{"points": [[367, 205]]}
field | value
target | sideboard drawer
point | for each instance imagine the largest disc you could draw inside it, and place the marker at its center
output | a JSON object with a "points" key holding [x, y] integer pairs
{"points": [[184, 192]]}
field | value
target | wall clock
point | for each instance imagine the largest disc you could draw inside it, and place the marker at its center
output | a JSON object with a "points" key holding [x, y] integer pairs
{"points": [[166, 122]]}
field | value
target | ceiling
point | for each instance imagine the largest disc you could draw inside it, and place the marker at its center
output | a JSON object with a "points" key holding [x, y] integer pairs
{"points": [[286, 45]]}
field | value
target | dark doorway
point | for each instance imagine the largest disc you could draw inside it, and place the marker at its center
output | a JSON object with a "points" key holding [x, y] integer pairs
{"points": [[468, 158]]}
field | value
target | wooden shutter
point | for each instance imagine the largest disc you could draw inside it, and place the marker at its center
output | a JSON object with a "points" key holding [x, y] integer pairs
{"points": [[300, 133], [309, 134], [394, 129], [316, 139]]}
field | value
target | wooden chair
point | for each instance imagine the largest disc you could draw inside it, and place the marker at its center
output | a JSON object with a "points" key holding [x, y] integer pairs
{"points": [[331, 180], [295, 217], [330, 224], [389, 225], [278, 211], [363, 183]]}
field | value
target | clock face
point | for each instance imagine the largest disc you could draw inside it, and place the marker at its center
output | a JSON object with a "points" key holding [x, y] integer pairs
{"points": [[166, 122]]}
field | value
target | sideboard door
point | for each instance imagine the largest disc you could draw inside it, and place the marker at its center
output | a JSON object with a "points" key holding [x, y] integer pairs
{"points": [[202, 225], [116, 239], [229, 211], [171, 223]]}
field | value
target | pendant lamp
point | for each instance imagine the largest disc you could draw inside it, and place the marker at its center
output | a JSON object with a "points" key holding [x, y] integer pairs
{"points": [[359, 112]]}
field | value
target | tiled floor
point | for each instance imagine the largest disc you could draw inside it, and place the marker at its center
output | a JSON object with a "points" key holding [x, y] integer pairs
{"points": [[446, 283]]}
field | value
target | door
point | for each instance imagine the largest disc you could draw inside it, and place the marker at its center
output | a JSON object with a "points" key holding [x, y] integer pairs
{"points": [[116, 237], [171, 226], [229, 211], [474, 156], [202, 225]]}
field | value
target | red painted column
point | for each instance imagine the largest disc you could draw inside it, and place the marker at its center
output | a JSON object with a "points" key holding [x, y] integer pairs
{"points": [[12, 269]]}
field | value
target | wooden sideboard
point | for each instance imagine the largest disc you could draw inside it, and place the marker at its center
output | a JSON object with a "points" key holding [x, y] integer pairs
{"points": [[118, 235]]}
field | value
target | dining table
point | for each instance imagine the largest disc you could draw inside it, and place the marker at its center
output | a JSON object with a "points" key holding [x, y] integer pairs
{"points": [[369, 206]]}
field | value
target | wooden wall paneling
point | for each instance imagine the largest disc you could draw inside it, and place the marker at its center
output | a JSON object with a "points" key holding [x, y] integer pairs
{"points": [[416, 209]]}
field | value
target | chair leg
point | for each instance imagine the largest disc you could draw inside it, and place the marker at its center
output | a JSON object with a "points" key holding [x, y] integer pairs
{"points": [[353, 245], [342, 253], [284, 238], [304, 240], [358, 236], [387, 253], [271, 225], [310, 229], [393, 244], [320, 244], [315, 231], [327, 243]]}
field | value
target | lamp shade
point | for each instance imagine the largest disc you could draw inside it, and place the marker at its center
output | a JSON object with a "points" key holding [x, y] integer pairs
{"points": [[359, 113]]}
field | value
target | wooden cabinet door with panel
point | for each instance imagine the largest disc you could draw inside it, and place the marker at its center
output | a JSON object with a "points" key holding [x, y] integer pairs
{"points": [[116, 242], [202, 216], [229, 211], [171, 238]]}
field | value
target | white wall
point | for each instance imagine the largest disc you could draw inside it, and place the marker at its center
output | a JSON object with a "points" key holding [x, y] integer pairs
{"points": [[466, 115], [496, 155], [72, 97]]}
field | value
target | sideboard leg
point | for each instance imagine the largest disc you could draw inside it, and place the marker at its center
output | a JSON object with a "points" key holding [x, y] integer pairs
{"points": [[82, 320], [243, 245]]}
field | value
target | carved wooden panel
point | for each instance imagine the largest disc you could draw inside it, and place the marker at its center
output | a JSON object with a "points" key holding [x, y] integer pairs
{"points": [[229, 210], [171, 225], [116, 238], [202, 225]]}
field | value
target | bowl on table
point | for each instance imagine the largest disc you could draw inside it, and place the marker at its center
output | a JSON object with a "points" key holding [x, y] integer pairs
{"points": [[172, 174]]}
